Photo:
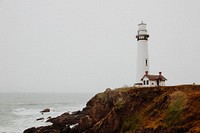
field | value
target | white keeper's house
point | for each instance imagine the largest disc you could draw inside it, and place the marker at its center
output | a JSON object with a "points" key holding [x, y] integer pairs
{"points": [[153, 80], [143, 78]]}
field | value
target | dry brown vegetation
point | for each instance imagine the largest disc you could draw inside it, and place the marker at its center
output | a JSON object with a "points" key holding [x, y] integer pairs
{"points": [[172, 109]]}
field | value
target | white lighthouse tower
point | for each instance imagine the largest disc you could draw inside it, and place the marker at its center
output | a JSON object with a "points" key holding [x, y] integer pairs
{"points": [[142, 52]]}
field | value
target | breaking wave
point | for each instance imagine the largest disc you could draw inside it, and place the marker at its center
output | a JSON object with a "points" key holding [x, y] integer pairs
{"points": [[18, 115]]}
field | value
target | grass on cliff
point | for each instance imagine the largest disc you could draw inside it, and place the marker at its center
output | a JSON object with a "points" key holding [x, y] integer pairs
{"points": [[131, 124], [171, 108], [119, 103], [160, 112], [104, 96], [124, 89], [176, 108]]}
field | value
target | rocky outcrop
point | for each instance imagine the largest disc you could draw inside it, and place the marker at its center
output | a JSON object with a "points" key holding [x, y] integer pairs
{"points": [[39, 119], [45, 111], [138, 110]]}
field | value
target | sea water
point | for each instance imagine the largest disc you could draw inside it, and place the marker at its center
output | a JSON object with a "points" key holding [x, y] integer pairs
{"points": [[19, 111]]}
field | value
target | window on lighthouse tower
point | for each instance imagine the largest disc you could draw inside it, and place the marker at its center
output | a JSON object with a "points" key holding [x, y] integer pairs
{"points": [[146, 62]]}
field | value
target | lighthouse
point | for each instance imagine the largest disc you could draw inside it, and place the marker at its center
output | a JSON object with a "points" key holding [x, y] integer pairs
{"points": [[143, 77], [142, 52]]}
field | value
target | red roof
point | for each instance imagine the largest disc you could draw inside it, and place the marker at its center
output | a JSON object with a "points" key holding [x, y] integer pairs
{"points": [[154, 77]]}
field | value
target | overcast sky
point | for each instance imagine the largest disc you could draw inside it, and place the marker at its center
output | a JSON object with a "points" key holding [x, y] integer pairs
{"points": [[90, 45]]}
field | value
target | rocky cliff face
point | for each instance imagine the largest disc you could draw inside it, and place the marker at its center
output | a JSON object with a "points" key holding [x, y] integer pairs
{"points": [[133, 110]]}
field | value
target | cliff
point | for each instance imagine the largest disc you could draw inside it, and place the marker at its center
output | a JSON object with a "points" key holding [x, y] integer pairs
{"points": [[133, 110]]}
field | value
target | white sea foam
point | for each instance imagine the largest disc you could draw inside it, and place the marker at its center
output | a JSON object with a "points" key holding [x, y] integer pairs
{"points": [[73, 125], [25, 112], [18, 114]]}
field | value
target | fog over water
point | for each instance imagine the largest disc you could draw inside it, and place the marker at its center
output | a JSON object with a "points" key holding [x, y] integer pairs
{"points": [[90, 45]]}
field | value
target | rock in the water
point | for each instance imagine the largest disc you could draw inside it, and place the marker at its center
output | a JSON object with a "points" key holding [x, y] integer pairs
{"points": [[39, 119], [49, 117], [45, 110]]}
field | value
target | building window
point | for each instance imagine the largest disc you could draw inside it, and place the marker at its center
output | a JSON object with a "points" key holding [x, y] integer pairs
{"points": [[147, 82], [146, 62], [144, 82]]}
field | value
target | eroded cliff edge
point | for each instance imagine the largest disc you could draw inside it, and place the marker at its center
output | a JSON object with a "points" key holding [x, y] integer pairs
{"points": [[125, 110]]}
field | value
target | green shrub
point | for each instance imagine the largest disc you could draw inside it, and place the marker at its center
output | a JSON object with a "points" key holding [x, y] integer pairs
{"points": [[119, 103], [175, 109], [132, 123]]}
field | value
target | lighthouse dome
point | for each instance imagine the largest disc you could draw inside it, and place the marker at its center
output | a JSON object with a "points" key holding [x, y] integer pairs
{"points": [[142, 26]]}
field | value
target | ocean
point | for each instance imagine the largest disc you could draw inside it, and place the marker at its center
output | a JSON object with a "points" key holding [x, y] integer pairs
{"points": [[19, 111]]}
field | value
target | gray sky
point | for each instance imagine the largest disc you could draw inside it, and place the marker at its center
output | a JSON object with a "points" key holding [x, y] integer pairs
{"points": [[90, 45]]}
